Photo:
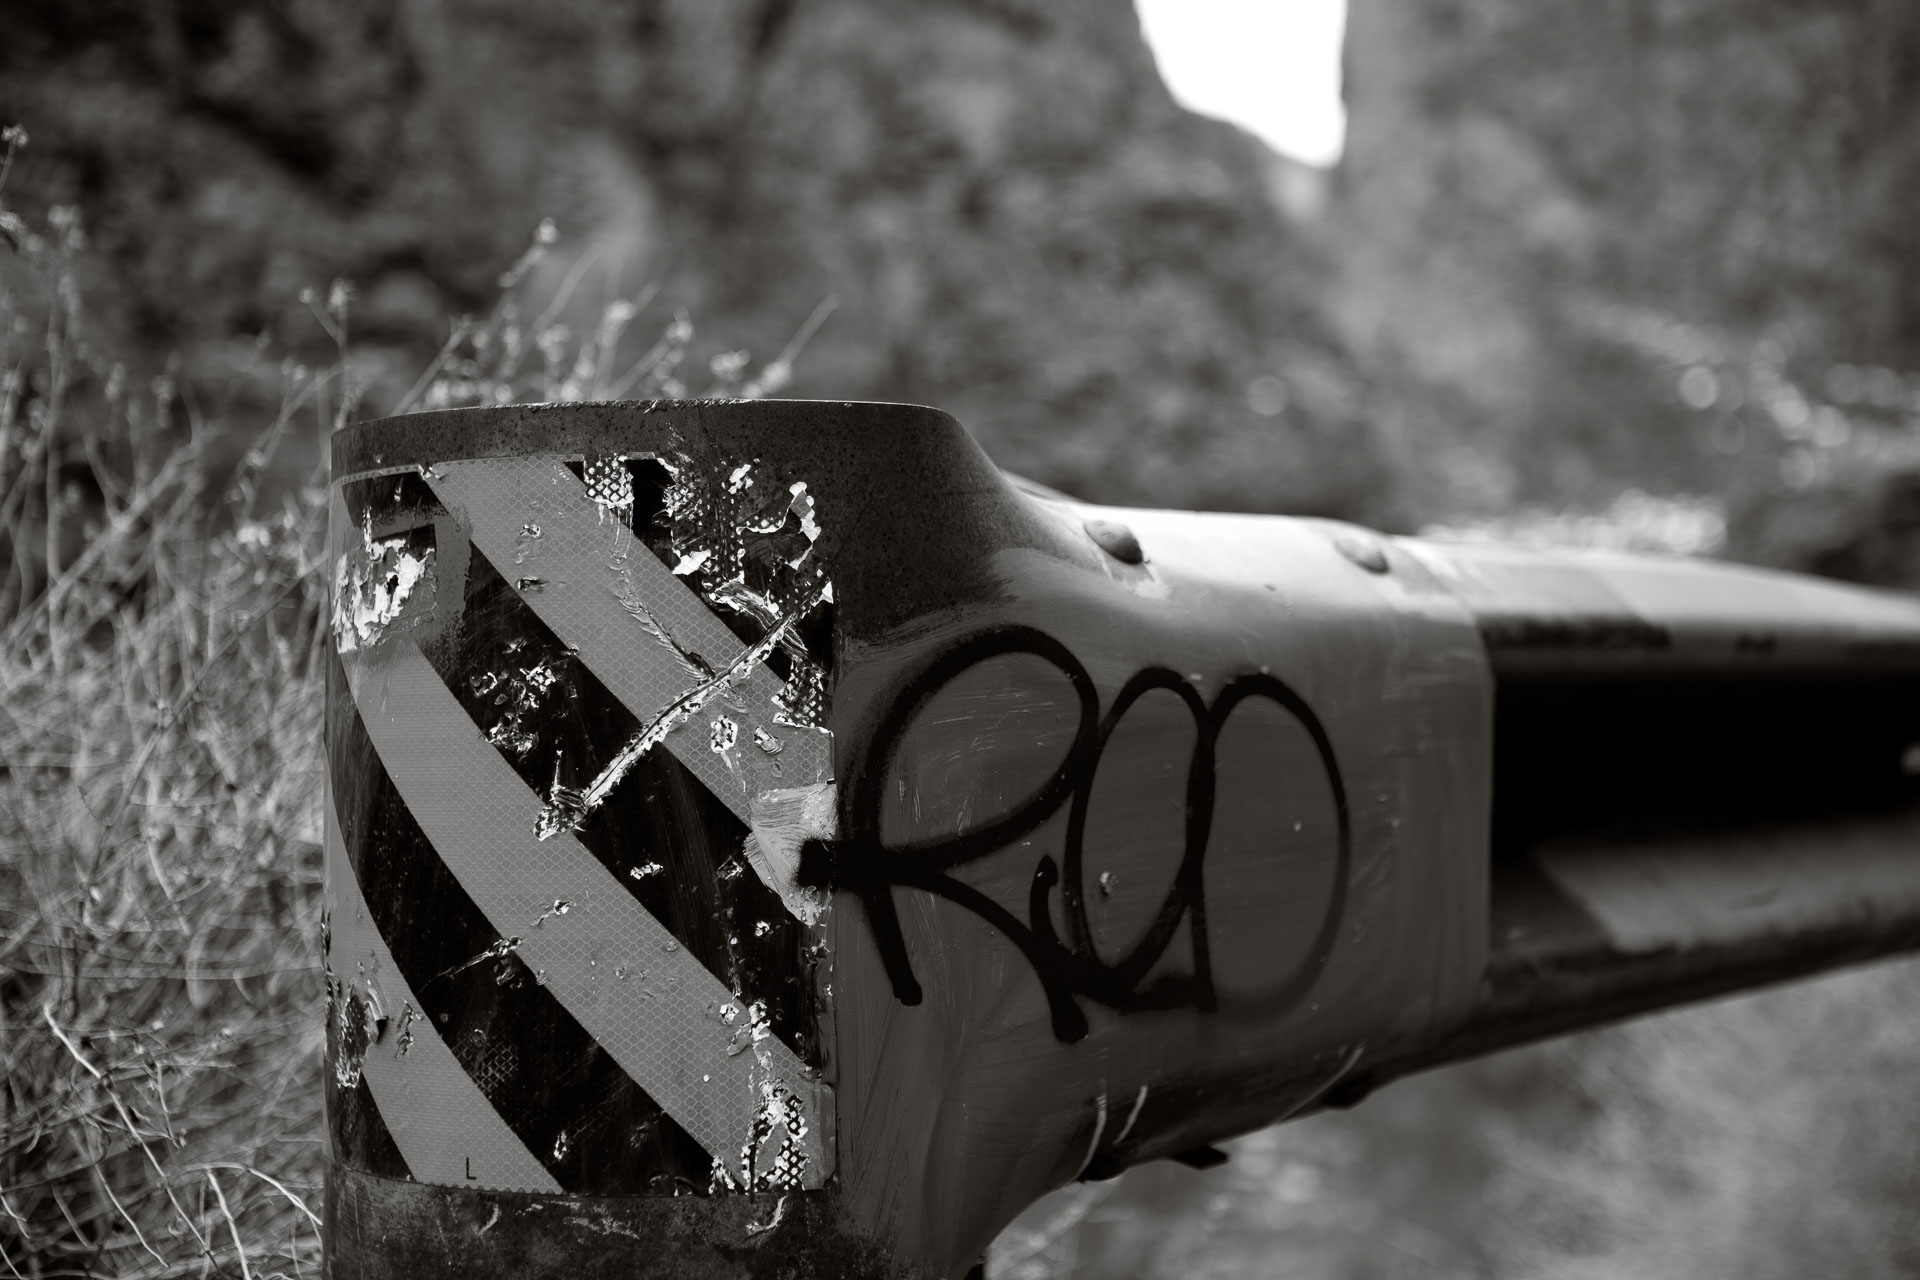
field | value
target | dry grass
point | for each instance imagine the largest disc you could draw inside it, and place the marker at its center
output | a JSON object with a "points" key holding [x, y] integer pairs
{"points": [[160, 731], [159, 832]]}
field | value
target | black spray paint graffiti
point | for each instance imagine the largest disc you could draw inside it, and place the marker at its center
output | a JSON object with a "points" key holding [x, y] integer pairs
{"points": [[1068, 967]]}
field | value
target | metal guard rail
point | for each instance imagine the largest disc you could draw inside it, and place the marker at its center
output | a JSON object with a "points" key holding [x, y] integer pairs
{"points": [[764, 838]]}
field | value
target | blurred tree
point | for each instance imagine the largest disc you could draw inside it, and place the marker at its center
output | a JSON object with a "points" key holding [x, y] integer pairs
{"points": [[1019, 223], [1639, 236], [1021, 226]]}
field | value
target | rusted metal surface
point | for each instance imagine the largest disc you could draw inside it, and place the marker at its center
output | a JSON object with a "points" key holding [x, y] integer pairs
{"points": [[1016, 840]]}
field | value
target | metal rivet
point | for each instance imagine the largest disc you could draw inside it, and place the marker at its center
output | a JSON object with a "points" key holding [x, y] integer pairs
{"points": [[1116, 540], [1363, 551]]}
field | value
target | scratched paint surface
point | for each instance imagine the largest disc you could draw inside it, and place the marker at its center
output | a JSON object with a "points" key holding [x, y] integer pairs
{"points": [[1257, 855]]}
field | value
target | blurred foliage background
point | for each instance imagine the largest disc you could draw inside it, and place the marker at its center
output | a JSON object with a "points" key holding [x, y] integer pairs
{"points": [[1571, 250], [1629, 272]]}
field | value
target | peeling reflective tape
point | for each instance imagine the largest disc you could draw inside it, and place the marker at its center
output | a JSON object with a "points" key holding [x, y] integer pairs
{"points": [[583, 1117], [384, 578], [445, 1128], [669, 1023], [783, 821], [663, 834], [643, 632]]}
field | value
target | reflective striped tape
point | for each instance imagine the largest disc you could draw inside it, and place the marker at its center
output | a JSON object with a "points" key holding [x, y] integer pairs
{"points": [[647, 1025], [555, 1087], [442, 1123], [672, 1026], [645, 633]]}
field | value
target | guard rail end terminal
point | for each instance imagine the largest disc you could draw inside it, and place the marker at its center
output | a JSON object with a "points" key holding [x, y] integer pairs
{"points": [[764, 838]]}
